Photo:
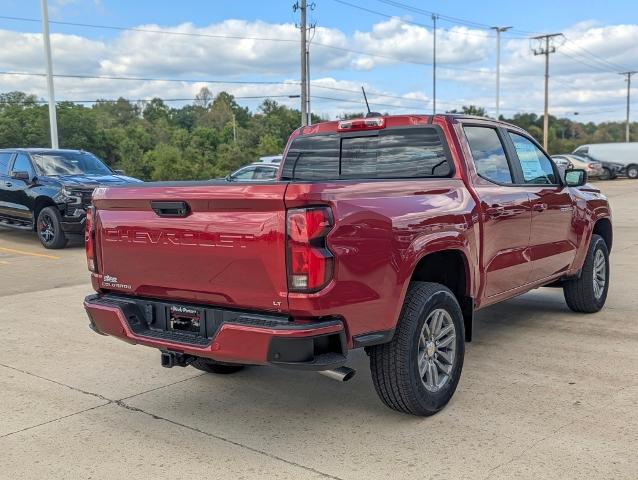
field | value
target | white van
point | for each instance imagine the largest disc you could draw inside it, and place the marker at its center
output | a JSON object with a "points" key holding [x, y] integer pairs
{"points": [[622, 154]]}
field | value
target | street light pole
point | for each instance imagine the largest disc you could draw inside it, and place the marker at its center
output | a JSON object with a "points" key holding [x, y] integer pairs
{"points": [[499, 30], [53, 121], [434, 19]]}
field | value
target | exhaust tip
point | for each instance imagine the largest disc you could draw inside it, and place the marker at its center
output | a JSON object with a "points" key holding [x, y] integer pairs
{"points": [[340, 374]]}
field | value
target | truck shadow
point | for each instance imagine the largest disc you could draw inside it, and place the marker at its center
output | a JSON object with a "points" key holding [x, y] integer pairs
{"points": [[262, 396], [29, 239]]}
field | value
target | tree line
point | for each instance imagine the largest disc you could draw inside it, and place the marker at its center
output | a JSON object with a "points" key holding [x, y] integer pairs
{"points": [[210, 137]]}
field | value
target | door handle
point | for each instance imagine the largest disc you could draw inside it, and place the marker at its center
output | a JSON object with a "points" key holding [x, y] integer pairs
{"points": [[539, 207], [8, 184], [495, 211]]}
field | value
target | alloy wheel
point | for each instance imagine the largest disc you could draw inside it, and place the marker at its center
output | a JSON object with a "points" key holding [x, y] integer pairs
{"points": [[600, 274], [47, 228], [437, 350]]}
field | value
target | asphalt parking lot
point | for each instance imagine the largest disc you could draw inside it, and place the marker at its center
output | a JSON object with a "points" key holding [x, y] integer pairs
{"points": [[545, 393]]}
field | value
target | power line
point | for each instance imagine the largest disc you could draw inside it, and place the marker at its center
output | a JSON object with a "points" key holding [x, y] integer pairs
{"points": [[149, 30], [236, 37], [603, 61], [408, 22]]}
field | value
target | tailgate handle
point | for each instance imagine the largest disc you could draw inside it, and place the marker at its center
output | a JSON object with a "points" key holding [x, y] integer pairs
{"points": [[170, 209]]}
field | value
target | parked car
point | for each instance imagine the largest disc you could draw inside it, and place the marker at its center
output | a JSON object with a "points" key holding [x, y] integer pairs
{"points": [[594, 169], [562, 162], [383, 233], [620, 158], [49, 190], [274, 159], [256, 172]]}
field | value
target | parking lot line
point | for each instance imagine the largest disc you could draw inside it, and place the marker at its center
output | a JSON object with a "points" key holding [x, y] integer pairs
{"points": [[31, 254]]}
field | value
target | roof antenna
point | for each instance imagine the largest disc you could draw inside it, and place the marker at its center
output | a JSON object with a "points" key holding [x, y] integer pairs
{"points": [[365, 97]]}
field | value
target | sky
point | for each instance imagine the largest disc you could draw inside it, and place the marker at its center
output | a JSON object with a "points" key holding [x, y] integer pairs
{"points": [[145, 48]]}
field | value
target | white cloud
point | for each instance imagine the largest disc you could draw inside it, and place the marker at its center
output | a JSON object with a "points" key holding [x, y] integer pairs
{"points": [[583, 69]]}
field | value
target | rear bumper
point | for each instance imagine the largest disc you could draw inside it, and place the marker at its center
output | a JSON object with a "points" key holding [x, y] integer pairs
{"points": [[227, 336]]}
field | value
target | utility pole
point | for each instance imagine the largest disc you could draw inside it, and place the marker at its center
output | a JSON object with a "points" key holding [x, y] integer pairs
{"points": [[546, 47], [628, 75], [302, 6], [53, 121], [499, 30], [434, 19]]}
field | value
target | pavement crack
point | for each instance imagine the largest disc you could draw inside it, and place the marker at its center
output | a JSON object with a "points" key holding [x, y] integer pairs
{"points": [[85, 392], [122, 404], [56, 419], [530, 447]]}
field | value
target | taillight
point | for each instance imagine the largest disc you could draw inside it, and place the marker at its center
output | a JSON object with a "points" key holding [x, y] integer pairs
{"points": [[310, 264], [89, 239], [592, 165]]}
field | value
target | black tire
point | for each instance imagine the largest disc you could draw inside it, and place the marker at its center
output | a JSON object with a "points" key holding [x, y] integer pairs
{"points": [[395, 366], [49, 228], [211, 366], [632, 172], [606, 175], [580, 292]]}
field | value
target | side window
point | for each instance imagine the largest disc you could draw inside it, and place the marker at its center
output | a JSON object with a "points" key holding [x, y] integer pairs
{"points": [[22, 164], [537, 168], [245, 174], [489, 154], [264, 173], [5, 158]]}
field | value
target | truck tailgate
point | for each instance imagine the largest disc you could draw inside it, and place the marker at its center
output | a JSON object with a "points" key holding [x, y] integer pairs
{"points": [[228, 249]]}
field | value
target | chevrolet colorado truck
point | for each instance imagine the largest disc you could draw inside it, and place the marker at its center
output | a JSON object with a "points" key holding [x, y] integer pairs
{"points": [[383, 233]]}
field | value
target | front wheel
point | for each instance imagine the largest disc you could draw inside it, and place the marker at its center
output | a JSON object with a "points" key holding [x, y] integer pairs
{"points": [[606, 175], [418, 371], [632, 172], [587, 294], [49, 228]]}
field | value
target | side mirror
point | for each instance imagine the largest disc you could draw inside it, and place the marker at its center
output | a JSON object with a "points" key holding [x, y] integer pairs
{"points": [[575, 178], [119, 172], [21, 175], [228, 178]]}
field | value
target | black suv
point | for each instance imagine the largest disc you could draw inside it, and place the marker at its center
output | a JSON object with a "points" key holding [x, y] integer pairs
{"points": [[49, 190]]}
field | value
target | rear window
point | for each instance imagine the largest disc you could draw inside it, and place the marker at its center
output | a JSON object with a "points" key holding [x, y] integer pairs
{"points": [[393, 153]]}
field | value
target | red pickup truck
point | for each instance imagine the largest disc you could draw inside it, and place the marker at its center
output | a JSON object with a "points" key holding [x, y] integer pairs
{"points": [[383, 233]]}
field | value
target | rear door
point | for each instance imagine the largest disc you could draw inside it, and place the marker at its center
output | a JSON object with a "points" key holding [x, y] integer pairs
{"points": [[16, 192], [506, 212], [208, 242], [552, 241], [5, 183]]}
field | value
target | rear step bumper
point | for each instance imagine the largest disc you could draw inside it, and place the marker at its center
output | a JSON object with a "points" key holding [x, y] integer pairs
{"points": [[227, 336]]}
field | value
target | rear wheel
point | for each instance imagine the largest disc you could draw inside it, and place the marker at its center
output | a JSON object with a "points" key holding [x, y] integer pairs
{"points": [[211, 366], [587, 294], [418, 371], [49, 228], [632, 171]]}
